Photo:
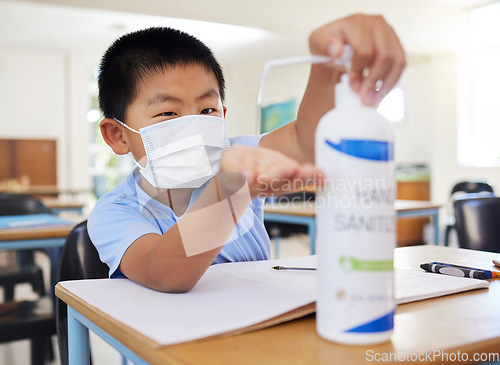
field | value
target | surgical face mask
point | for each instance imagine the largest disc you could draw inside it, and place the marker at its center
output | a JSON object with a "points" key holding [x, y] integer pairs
{"points": [[183, 152]]}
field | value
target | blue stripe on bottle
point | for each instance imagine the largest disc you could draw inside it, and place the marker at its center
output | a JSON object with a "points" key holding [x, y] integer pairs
{"points": [[381, 324], [366, 149]]}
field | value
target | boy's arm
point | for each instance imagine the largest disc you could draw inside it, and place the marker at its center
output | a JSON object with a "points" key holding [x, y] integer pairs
{"points": [[376, 48], [176, 260]]}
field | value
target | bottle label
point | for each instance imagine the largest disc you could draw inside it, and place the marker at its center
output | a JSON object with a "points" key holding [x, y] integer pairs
{"points": [[369, 150], [356, 236]]}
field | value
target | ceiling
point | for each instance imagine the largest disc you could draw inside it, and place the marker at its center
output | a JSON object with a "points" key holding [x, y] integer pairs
{"points": [[424, 26]]}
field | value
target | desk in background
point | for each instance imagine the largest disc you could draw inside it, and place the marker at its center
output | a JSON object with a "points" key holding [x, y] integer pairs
{"points": [[304, 213], [468, 323], [58, 205], [39, 237], [33, 238], [48, 191]]}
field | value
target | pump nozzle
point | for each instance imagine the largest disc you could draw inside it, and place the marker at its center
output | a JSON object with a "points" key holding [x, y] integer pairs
{"points": [[346, 58], [291, 61]]}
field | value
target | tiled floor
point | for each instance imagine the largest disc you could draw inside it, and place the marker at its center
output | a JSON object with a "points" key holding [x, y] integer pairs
{"points": [[18, 353]]}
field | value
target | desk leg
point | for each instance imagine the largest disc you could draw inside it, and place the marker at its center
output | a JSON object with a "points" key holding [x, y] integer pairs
{"points": [[311, 224], [435, 220], [78, 340], [276, 240]]}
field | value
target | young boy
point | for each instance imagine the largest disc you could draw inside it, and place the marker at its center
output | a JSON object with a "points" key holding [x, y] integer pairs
{"points": [[162, 93]]}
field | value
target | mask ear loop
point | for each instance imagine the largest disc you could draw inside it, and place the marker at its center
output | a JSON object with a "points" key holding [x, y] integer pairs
{"points": [[126, 126], [140, 166], [133, 160], [130, 152]]}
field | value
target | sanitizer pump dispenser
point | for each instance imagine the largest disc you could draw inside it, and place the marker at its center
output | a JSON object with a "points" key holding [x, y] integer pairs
{"points": [[355, 220], [355, 215]]}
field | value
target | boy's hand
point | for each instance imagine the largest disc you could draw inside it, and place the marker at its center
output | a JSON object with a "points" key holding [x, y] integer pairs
{"points": [[378, 54], [269, 172]]}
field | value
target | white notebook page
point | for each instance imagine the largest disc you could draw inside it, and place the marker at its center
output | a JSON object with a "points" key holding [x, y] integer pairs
{"points": [[234, 296]]}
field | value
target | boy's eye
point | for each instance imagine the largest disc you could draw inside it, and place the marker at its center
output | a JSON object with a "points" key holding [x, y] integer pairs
{"points": [[208, 111], [167, 114]]}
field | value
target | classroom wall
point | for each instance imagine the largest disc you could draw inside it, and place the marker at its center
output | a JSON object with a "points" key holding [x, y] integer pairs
{"points": [[80, 69], [241, 87], [33, 98], [42, 95]]}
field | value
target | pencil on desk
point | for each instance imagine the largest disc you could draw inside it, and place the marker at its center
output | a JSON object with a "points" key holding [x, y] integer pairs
{"points": [[280, 267]]}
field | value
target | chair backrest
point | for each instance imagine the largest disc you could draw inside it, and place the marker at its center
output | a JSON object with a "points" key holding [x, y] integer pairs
{"points": [[18, 204], [477, 222], [473, 186], [79, 260]]}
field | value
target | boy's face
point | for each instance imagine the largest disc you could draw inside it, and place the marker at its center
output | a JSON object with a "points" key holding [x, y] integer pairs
{"points": [[179, 91]]}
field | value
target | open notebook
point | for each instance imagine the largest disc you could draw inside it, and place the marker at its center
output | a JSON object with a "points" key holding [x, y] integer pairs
{"points": [[236, 298]]}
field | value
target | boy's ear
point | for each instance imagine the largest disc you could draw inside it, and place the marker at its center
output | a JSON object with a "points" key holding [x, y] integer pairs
{"points": [[111, 131], [224, 109]]}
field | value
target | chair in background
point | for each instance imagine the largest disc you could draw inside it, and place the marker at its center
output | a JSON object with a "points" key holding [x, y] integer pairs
{"points": [[25, 270], [473, 186], [478, 222], [19, 204], [21, 320], [79, 260], [33, 320], [464, 187], [26, 319], [21, 273]]}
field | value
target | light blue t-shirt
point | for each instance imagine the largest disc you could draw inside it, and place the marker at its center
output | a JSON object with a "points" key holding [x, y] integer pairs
{"points": [[127, 213]]}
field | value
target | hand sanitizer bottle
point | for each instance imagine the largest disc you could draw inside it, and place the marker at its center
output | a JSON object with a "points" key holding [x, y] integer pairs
{"points": [[355, 219]]}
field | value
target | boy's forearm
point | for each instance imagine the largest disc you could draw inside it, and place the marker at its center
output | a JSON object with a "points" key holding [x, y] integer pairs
{"points": [[319, 97], [168, 267], [180, 257]]}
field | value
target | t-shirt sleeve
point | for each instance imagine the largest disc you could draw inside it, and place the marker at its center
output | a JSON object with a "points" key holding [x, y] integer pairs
{"points": [[252, 140], [113, 225]]}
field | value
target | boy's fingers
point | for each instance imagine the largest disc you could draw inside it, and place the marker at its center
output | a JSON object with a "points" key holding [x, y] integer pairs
{"points": [[358, 36], [330, 40], [387, 64], [239, 159], [312, 177], [268, 171], [387, 85], [370, 88], [377, 53], [393, 74], [307, 175]]}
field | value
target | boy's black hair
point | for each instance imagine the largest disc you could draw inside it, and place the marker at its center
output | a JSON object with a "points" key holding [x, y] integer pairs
{"points": [[135, 56]]}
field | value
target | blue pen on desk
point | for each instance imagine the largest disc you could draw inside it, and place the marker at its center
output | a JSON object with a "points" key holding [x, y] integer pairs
{"points": [[453, 270], [489, 273]]}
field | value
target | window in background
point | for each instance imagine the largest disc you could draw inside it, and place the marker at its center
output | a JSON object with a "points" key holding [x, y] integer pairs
{"points": [[478, 98], [393, 106]]}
